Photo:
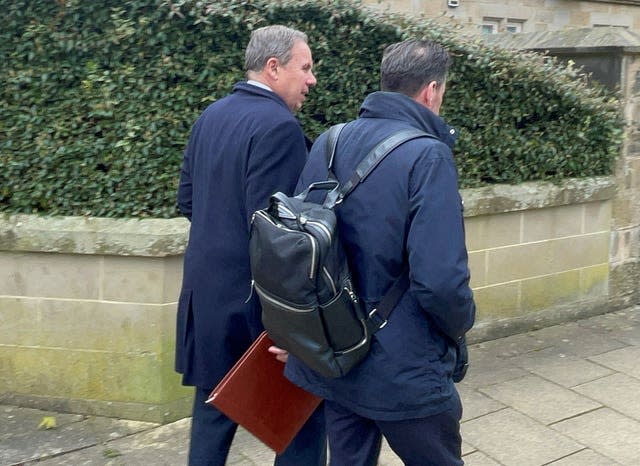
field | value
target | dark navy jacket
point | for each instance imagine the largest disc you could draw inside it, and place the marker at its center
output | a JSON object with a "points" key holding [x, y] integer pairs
{"points": [[408, 210], [242, 149]]}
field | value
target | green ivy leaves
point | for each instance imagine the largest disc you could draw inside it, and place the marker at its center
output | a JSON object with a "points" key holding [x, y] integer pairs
{"points": [[97, 98]]}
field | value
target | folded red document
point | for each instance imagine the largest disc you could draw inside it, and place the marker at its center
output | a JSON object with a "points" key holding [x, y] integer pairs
{"points": [[256, 395]]}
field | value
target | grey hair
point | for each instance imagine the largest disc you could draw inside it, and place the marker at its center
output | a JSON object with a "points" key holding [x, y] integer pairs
{"points": [[410, 65], [271, 41]]}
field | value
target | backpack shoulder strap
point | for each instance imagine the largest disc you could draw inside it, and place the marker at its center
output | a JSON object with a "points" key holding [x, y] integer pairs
{"points": [[378, 316], [330, 147], [389, 300], [377, 154]]}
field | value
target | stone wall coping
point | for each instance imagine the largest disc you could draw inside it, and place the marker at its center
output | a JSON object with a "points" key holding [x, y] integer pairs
{"points": [[94, 235], [502, 198], [168, 237]]}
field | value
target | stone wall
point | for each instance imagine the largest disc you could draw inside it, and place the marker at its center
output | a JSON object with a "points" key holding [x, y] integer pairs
{"points": [[87, 315], [87, 305], [533, 15], [538, 253], [625, 249], [588, 47]]}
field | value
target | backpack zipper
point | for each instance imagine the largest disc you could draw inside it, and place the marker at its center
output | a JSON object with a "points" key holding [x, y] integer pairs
{"points": [[330, 281], [314, 243], [314, 254], [318, 226], [250, 292], [352, 293], [267, 297], [285, 212]]}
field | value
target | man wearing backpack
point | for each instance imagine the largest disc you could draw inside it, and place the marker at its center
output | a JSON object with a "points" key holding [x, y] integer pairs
{"points": [[243, 148], [406, 215]]}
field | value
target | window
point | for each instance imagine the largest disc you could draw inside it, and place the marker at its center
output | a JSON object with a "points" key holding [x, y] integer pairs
{"points": [[490, 26], [513, 26], [609, 26]]}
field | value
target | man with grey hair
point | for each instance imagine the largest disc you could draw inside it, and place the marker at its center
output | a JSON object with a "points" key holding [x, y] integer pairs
{"points": [[242, 149], [404, 220]]}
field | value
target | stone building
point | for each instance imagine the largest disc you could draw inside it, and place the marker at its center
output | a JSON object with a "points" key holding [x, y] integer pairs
{"points": [[493, 16]]}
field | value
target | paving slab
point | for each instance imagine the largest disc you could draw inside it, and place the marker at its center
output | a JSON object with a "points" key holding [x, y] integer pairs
{"points": [[622, 326], [612, 321], [25, 421], [466, 448], [539, 399], [629, 335], [585, 457], [625, 360], [607, 432], [578, 340], [513, 439], [247, 451], [626, 328], [479, 459], [485, 370], [511, 346], [22, 440], [562, 368], [388, 457], [475, 404], [163, 446], [619, 392]]}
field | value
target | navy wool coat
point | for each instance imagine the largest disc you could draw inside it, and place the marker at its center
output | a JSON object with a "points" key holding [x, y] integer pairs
{"points": [[407, 212], [242, 149]]}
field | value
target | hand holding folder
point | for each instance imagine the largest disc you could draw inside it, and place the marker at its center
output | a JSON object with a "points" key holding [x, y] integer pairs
{"points": [[256, 395]]}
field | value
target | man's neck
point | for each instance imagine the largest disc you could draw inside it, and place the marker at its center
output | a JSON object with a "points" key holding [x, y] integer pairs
{"points": [[262, 85]]}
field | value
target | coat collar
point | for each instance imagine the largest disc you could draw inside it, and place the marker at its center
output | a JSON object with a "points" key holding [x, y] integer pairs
{"points": [[245, 87], [396, 106]]}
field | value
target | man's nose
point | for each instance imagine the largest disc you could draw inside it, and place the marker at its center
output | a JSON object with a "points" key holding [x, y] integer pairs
{"points": [[312, 80]]}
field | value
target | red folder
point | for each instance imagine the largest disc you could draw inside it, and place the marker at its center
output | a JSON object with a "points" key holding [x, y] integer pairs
{"points": [[256, 395]]}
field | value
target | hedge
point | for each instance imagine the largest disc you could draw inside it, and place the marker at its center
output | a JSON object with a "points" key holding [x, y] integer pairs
{"points": [[97, 98]]}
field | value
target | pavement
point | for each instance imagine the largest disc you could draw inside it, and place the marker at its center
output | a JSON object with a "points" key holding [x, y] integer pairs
{"points": [[567, 395]]}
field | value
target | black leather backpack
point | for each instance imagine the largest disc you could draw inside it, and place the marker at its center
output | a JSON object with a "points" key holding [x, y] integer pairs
{"points": [[300, 272]]}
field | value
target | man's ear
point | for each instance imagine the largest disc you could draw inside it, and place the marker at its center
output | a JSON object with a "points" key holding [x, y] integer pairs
{"points": [[426, 95], [271, 68]]}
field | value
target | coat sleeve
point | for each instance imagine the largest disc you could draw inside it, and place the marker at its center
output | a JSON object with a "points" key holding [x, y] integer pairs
{"points": [[438, 261], [275, 162], [185, 188]]}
